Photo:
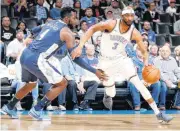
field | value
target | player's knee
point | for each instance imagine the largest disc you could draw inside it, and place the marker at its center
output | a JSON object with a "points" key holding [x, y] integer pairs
{"points": [[63, 83]]}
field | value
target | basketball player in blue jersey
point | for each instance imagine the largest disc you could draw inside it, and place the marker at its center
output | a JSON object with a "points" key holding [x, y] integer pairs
{"points": [[114, 60], [37, 61]]}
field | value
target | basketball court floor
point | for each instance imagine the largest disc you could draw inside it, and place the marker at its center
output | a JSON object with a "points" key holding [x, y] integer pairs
{"points": [[92, 120]]}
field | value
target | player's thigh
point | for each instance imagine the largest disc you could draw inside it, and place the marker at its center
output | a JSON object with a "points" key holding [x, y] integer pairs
{"points": [[50, 69], [27, 76], [128, 69]]}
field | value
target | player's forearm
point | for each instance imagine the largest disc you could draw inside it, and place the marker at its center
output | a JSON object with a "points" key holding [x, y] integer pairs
{"points": [[86, 37], [145, 57], [83, 64]]}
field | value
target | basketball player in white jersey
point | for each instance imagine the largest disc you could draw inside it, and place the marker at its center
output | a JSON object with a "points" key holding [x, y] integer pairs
{"points": [[114, 60]]}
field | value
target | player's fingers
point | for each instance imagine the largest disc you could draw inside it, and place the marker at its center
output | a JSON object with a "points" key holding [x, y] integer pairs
{"points": [[104, 78]]}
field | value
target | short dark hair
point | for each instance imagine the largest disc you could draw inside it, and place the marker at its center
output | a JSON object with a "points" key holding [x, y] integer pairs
{"points": [[4, 17], [89, 8], [66, 11], [82, 22]]}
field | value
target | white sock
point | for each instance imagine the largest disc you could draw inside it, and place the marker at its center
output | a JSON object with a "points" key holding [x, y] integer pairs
{"points": [[154, 107]]}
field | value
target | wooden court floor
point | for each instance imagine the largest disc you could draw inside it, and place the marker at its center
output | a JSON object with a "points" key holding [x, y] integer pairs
{"points": [[90, 122]]}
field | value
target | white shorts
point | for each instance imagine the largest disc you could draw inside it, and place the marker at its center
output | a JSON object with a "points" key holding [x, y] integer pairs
{"points": [[122, 66], [51, 69]]}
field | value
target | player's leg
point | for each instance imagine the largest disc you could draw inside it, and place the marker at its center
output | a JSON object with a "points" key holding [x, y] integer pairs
{"points": [[20, 94], [48, 71], [130, 74], [54, 91]]}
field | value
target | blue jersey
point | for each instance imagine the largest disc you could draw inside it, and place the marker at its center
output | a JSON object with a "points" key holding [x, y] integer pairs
{"points": [[48, 39]]}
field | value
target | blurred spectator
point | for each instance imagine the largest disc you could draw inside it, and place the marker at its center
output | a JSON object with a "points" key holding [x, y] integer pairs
{"points": [[92, 61], [144, 35], [137, 8], [22, 26], [109, 15], [151, 15], [55, 13], [85, 4], [103, 3], [31, 3], [77, 7], [138, 62], [77, 41], [177, 27], [177, 54], [15, 47], [21, 9], [170, 73], [172, 8], [89, 18], [67, 3], [97, 46], [49, 4], [7, 2], [147, 29], [159, 6], [7, 33], [165, 4], [83, 29], [10, 6], [114, 8], [97, 10], [153, 53], [40, 12], [146, 44]]}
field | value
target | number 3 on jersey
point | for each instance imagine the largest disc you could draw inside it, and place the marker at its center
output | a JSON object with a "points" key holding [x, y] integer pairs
{"points": [[115, 46]]}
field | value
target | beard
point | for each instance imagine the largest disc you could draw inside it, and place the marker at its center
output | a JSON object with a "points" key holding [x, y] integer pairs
{"points": [[127, 23]]}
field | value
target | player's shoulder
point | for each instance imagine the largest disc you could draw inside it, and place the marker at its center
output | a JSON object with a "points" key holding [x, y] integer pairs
{"points": [[108, 24]]}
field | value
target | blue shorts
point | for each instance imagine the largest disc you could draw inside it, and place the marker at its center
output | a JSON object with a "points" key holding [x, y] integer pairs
{"points": [[35, 66]]}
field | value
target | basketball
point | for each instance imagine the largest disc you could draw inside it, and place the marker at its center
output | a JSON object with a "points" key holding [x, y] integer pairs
{"points": [[151, 74]]}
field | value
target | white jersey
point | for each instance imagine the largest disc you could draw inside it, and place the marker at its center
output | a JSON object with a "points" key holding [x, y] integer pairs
{"points": [[113, 43]]}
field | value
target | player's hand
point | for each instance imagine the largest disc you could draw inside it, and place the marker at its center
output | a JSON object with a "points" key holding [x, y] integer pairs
{"points": [[145, 83], [101, 75], [76, 52]]}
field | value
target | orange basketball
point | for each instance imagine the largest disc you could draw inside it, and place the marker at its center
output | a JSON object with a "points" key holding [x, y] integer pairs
{"points": [[151, 74]]}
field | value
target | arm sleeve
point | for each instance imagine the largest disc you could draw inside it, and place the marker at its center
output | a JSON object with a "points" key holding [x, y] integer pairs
{"points": [[81, 62]]}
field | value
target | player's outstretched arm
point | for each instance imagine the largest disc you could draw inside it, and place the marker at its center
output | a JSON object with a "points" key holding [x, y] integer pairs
{"points": [[139, 40], [108, 25], [102, 26]]}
